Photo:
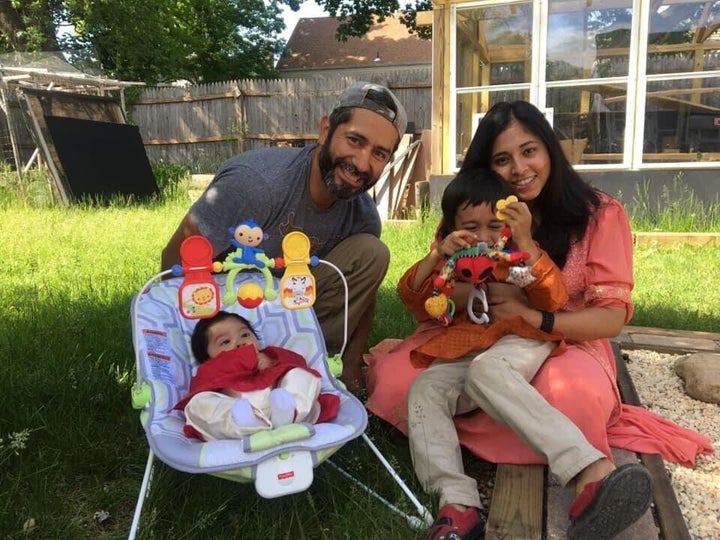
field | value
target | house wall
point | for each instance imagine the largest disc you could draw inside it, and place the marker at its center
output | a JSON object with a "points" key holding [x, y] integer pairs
{"points": [[418, 74]]}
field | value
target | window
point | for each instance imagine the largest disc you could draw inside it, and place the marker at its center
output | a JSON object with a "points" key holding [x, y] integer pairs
{"points": [[583, 60], [682, 90], [493, 55]]}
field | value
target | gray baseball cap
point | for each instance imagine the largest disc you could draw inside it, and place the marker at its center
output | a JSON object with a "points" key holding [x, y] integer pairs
{"points": [[367, 95]]}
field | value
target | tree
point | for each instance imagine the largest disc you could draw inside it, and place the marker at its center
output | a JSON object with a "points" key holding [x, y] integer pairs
{"points": [[165, 40], [152, 40], [357, 16], [29, 25]]}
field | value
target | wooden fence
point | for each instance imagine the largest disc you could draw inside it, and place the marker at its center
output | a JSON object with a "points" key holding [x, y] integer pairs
{"points": [[203, 125]]}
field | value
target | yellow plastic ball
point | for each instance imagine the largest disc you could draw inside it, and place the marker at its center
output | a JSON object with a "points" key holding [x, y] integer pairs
{"points": [[250, 295]]}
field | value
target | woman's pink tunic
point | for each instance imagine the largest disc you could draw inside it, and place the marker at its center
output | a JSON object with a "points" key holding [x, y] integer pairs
{"points": [[581, 382]]}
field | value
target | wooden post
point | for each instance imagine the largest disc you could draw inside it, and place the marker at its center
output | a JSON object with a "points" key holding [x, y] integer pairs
{"points": [[4, 103], [60, 188]]}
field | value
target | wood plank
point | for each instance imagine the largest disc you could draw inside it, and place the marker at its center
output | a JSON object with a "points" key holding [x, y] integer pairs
{"points": [[516, 510], [657, 156], [667, 509], [231, 137]]}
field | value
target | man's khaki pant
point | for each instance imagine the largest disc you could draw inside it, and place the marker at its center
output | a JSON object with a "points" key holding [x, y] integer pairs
{"points": [[497, 381], [363, 259]]}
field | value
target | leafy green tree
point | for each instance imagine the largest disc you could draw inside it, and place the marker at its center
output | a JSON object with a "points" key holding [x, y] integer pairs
{"points": [[164, 40], [29, 25], [152, 40], [357, 16], [198, 40]]}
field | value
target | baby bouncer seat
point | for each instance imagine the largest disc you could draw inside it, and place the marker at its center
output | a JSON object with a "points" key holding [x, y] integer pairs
{"points": [[278, 461]]}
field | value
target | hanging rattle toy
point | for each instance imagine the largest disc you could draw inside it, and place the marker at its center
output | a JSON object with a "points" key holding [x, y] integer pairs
{"points": [[472, 265], [198, 294], [297, 282], [246, 237]]}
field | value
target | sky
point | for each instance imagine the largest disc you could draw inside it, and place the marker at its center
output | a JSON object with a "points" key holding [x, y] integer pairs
{"points": [[308, 9]]}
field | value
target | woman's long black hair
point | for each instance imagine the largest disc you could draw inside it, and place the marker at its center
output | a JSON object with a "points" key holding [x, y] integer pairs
{"points": [[566, 203]]}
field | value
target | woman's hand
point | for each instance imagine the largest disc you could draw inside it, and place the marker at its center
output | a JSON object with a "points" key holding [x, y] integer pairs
{"points": [[506, 300]]}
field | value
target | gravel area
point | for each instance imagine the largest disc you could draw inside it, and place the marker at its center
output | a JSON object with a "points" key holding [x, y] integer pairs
{"points": [[661, 391]]}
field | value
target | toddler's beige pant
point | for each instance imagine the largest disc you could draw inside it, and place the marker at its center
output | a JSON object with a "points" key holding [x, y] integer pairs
{"points": [[497, 381]]}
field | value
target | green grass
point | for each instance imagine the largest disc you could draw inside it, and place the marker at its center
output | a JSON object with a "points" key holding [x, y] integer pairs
{"points": [[677, 209], [72, 447], [675, 287], [66, 377]]}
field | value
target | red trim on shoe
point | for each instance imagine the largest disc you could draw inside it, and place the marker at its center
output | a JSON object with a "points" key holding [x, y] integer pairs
{"points": [[604, 509], [584, 498], [454, 524]]}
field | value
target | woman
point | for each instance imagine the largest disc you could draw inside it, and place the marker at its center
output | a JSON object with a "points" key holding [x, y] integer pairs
{"points": [[587, 234]]}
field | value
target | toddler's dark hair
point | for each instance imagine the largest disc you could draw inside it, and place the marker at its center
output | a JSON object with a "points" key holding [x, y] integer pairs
{"points": [[199, 339], [471, 187]]}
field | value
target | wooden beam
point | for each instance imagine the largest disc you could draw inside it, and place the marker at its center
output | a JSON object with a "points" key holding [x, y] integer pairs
{"points": [[61, 190], [509, 53], [474, 44], [187, 99], [672, 523], [516, 509], [664, 97], [424, 18], [708, 31], [678, 157], [17, 156], [438, 122]]}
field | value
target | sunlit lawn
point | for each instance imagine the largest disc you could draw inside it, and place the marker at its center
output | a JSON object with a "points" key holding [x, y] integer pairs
{"points": [[67, 369]]}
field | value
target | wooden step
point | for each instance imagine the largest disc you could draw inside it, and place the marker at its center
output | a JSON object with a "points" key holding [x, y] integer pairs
{"points": [[516, 510]]}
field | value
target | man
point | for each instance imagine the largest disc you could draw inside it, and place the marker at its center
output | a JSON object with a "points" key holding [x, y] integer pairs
{"points": [[321, 191]]}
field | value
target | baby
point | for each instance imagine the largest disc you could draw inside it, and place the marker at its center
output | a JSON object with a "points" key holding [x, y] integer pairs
{"points": [[240, 389]]}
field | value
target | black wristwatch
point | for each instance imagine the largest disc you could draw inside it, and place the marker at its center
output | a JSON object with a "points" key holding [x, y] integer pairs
{"points": [[548, 321]]}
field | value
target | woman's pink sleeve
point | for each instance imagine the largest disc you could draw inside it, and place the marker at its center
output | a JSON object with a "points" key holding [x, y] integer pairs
{"points": [[609, 268]]}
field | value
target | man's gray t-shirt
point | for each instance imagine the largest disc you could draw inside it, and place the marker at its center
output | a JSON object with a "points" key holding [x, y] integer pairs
{"points": [[271, 186]]}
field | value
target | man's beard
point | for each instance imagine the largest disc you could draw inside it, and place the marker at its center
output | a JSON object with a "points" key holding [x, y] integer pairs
{"points": [[327, 171]]}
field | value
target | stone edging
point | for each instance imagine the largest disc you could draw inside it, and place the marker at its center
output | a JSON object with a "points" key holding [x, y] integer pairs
{"points": [[667, 340]]}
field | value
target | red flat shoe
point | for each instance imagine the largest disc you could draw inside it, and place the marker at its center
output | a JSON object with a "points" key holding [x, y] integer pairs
{"points": [[453, 524], [608, 506]]}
